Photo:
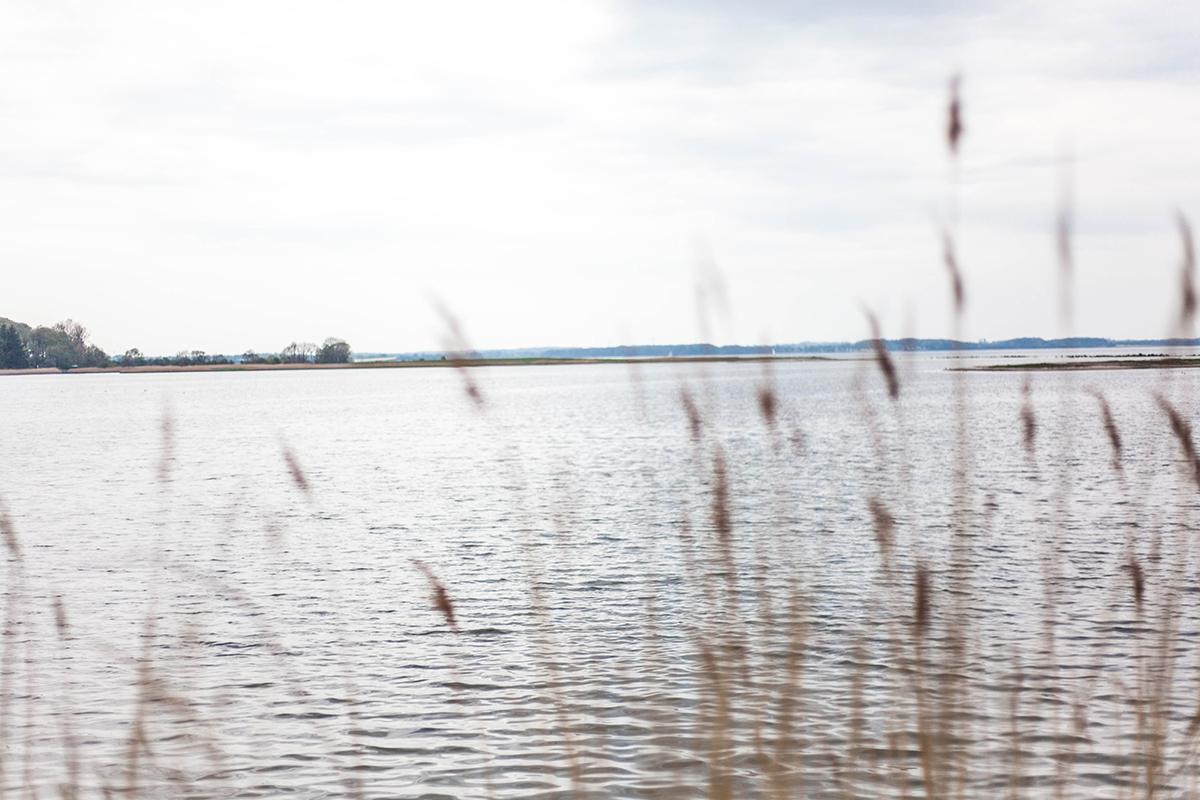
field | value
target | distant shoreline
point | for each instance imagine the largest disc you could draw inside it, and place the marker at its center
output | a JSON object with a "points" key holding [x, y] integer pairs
{"points": [[1045, 366], [1042, 366], [439, 363]]}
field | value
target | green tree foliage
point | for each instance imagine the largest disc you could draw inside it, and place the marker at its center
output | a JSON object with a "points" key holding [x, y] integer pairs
{"points": [[64, 345], [22, 329], [13, 354], [49, 347], [334, 351]]}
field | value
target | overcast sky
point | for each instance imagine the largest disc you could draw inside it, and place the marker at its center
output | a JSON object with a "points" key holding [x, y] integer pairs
{"points": [[225, 176]]}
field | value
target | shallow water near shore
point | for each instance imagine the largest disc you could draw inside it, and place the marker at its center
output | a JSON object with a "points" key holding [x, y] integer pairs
{"points": [[227, 633]]}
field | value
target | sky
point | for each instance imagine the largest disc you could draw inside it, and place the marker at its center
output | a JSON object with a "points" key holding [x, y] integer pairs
{"points": [[231, 176]]}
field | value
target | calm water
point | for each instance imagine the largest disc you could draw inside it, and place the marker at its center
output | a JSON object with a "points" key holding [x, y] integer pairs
{"points": [[227, 634]]}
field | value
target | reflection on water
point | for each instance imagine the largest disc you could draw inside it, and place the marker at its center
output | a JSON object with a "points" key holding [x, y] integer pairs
{"points": [[671, 580]]}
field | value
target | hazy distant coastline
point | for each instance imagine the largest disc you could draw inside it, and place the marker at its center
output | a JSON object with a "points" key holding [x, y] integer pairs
{"points": [[66, 347], [1134, 361], [801, 348], [401, 364]]}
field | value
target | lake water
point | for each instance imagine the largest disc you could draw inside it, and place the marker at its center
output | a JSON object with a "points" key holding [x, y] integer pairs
{"points": [[658, 590]]}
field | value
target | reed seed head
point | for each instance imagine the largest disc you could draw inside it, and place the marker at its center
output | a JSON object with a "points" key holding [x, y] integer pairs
{"points": [[1187, 289], [695, 422], [921, 599], [60, 616], [720, 502], [459, 350], [954, 123], [1063, 240], [1063, 227], [884, 524], [1110, 428], [297, 472], [1028, 420], [883, 359], [439, 596], [1139, 581], [1183, 433], [767, 405], [956, 281]]}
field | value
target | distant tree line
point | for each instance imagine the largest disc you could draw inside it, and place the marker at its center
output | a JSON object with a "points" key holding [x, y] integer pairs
{"points": [[133, 357], [334, 351], [63, 345], [66, 345]]}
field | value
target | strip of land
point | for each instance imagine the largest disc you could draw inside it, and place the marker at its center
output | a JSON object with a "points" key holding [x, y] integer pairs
{"points": [[438, 363], [1070, 363], [1058, 366]]}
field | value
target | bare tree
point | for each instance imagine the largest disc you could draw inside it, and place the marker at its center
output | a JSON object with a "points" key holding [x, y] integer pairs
{"points": [[298, 353]]}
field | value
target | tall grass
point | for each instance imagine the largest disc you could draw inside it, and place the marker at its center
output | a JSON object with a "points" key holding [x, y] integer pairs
{"points": [[748, 686], [914, 688]]}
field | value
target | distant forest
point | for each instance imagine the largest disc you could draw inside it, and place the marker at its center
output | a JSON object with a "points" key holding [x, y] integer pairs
{"points": [[66, 345]]}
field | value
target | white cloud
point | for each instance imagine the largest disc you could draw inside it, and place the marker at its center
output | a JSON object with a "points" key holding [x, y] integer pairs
{"points": [[279, 171]]}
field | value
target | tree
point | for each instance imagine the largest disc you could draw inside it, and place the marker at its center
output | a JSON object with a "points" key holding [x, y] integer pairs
{"points": [[50, 347], [133, 358], [76, 334], [13, 354], [334, 351], [64, 345], [95, 357], [300, 353]]}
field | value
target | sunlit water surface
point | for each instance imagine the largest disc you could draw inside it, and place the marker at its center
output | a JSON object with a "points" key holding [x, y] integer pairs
{"points": [[226, 632]]}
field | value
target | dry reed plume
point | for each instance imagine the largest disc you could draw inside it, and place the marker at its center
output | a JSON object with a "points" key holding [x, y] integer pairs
{"points": [[440, 597]]}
